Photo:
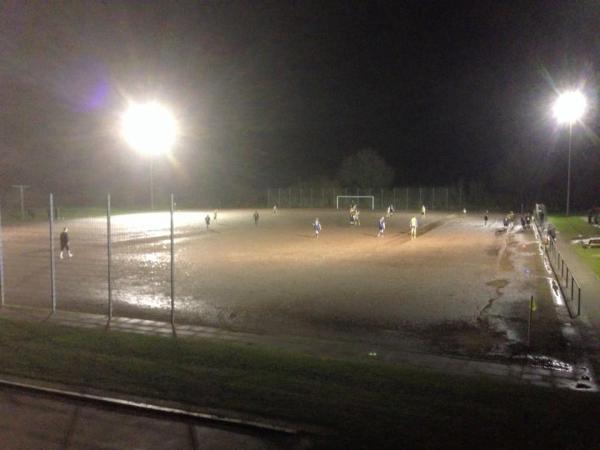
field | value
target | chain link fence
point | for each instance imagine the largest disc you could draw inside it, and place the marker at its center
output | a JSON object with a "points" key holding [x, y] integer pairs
{"points": [[434, 198], [105, 259]]}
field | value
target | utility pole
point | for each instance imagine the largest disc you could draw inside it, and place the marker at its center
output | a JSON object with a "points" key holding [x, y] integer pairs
{"points": [[21, 188]]}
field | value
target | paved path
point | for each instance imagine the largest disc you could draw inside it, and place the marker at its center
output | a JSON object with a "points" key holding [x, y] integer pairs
{"points": [[38, 421]]}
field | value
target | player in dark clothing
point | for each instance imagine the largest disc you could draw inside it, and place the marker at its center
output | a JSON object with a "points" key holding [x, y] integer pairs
{"points": [[256, 217], [207, 221], [64, 243]]}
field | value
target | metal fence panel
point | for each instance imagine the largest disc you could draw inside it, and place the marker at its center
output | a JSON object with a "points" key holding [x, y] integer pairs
{"points": [[26, 252]]}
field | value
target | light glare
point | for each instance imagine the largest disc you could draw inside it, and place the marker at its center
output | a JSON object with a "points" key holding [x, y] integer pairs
{"points": [[569, 107], [149, 128]]}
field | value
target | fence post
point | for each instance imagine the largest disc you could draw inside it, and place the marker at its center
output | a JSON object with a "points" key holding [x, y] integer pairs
{"points": [[572, 289], [447, 196], [172, 265], [1, 262], [52, 277], [268, 197], [323, 197], [529, 322], [406, 198], [289, 197], [109, 255], [382, 207], [420, 197], [578, 300], [279, 197], [432, 198], [311, 197]]}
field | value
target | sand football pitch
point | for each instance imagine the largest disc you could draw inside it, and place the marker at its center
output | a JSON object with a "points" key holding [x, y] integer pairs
{"points": [[277, 278]]}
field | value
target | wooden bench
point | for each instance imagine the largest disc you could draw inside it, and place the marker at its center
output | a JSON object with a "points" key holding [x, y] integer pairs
{"points": [[593, 242]]}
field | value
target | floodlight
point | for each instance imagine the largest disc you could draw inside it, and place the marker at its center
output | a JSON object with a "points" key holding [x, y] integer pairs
{"points": [[149, 128], [569, 107]]}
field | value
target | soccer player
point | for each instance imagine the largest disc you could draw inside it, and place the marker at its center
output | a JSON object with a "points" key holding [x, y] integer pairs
{"points": [[413, 227], [423, 210], [388, 212], [381, 226], [215, 215], [256, 217], [352, 213], [317, 227], [207, 220], [485, 219], [64, 243], [356, 217], [275, 209]]}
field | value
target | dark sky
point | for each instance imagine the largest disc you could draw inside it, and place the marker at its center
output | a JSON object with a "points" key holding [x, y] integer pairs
{"points": [[270, 93]]}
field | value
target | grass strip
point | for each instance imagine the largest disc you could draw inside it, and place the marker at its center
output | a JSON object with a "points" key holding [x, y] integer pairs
{"points": [[370, 404], [572, 228]]}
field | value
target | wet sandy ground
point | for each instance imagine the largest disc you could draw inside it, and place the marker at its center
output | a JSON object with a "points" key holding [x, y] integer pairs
{"points": [[459, 287]]}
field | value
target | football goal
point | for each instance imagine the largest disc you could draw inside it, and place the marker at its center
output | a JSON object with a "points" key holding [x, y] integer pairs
{"points": [[347, 200]]}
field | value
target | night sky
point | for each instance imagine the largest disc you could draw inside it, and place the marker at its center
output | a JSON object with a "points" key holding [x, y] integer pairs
{"points": [[273, 93]]}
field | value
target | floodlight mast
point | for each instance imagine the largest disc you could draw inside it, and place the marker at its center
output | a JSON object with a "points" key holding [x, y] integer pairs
{"points": [[569, 108], [150, 129]]}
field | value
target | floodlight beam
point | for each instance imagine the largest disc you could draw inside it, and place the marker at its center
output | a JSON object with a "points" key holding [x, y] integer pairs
{"points": [[569, 107], [149, 128]]}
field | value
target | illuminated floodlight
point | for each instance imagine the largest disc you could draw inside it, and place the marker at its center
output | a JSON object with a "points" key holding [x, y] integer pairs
{"points": [[569, 107], [149, 128]]}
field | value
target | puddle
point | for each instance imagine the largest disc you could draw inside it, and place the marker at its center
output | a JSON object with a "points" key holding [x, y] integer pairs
{"points": [[499, 284], [557, 297], [545, 362], [492, 251]]}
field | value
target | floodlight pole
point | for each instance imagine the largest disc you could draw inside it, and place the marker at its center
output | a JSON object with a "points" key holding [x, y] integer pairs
{"points": [[172, 262], [1, 263], [569, 167], [151, 183], [52, 265], [21, 188], [109, 255]]}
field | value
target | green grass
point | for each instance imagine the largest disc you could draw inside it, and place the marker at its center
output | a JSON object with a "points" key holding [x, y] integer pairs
{"points": [[370, 404], [571, 228]]}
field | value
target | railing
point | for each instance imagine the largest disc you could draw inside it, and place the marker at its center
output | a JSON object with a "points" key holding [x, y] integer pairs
{"points": [[567, 283]]}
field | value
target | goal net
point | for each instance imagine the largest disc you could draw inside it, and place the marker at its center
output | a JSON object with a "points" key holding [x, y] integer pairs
{"points": [[363, 201]]}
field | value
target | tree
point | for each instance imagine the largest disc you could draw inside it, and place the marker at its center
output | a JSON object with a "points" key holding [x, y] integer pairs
{"points": [[365, 169]]}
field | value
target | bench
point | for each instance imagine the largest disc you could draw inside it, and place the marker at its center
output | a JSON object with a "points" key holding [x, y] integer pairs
{"points": [[593, 242]]}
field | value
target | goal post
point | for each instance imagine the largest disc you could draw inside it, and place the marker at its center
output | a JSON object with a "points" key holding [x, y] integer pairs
{"points": [[370, 198]]}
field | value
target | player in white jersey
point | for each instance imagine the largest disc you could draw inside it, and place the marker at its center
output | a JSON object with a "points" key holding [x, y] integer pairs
{"points": [[413, 227]]}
